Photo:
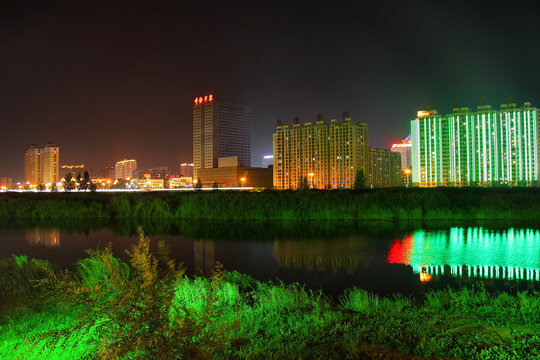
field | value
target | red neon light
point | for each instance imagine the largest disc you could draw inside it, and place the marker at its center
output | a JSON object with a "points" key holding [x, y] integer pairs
{"points": [[207, 98]]}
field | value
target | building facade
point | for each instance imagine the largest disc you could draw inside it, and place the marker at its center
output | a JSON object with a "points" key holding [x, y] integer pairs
{"points": [[124, 169], [186, 170], [236, 176], [328, 155], [219, 130], [41, 164], [385, 168], [74, 170], [404, 148], [486, 147]]}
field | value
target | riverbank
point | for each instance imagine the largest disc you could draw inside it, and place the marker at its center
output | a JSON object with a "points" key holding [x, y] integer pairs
{"points": [[391, 204], [147, 308]]}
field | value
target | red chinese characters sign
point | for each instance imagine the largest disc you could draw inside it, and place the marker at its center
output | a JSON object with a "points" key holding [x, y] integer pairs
{"points": [[202, 99]]}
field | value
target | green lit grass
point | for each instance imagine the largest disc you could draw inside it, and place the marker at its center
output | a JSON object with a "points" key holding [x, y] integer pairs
{"points": [[147, 309]]}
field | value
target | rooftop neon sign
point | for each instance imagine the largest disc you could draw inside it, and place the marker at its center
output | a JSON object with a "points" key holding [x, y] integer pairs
{"points": [[203, 99]]}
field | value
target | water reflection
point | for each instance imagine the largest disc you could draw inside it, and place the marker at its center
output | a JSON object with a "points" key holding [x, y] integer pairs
{"points": [[40, 236], [203, 254], [346, 254], [470, 252]]}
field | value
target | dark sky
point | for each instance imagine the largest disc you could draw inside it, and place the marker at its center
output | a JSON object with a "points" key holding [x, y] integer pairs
{"points": [[112, 80]]}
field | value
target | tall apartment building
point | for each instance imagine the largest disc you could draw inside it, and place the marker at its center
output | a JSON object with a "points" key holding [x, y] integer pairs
{"points": [[404, 148], [219, 130], [487, 147], [41, 164], [328, 155], [186, 170], [124, 169]]}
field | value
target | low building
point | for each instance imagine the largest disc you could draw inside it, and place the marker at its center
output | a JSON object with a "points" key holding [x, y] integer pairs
{"points": [[72, 169], [105, 172], [236, 176], [6, 183], [180, 182], [147, 183]]}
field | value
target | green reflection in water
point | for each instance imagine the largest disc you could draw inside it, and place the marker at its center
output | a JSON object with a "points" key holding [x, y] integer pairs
{"points": [[510, 254]]}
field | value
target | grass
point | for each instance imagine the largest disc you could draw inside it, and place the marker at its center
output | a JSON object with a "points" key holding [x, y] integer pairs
{"points": [[148, 309], [394, 204]]}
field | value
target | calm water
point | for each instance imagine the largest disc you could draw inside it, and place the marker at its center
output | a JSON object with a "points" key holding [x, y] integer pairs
{"points": [[380, 257]]}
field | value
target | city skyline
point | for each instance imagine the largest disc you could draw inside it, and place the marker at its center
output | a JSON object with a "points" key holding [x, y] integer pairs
{"points": [[109, 87]]}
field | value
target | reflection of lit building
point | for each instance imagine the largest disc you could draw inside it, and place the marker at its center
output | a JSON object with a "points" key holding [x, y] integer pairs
{"points": [[483, 148], [203, 253], [124, 169], [321, 255], [472, 252], [46, 237]]}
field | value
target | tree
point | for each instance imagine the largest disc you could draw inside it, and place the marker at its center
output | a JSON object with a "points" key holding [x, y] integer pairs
{"points": [[215, 185], [41, 187], [359, 180], [53, 187], [198, 185], [303, 184], [85, 182], [92, 186], [68, 183], [78, 180]]}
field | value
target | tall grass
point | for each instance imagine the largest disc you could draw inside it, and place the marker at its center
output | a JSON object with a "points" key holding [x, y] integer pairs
{"points": [[377, 204], [105, 308]]}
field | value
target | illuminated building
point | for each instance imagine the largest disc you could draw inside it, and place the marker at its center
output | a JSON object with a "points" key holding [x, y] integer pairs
{"points": [[327, 155], [186, 170], [5, 183], [472, 252], [231, 176], [148, 183], [405, 150], [483, 148], [267, 160], [160, 172], [74, 170], [41, 164], [124, 169], [385, 168], [180, 182], [219, 130], [105, 172]]}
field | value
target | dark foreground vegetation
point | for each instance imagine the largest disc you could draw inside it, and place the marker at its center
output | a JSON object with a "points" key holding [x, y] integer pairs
{"points": [[394, 204], [147, 308]]}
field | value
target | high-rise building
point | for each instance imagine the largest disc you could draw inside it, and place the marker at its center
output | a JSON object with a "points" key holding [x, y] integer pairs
{"points": [[41, 164], [404, 148], [385, 168], [124, 169], [483, 148], [328, 155], [32, 165], [219, 130], [186, 170]]}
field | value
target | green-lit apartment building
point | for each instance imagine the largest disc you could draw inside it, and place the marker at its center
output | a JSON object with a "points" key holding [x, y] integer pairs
{"points": [[486, 147], [329, 156]]}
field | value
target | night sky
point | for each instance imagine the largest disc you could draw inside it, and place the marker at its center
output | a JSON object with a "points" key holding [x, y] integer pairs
{"points": [[107, 82]]}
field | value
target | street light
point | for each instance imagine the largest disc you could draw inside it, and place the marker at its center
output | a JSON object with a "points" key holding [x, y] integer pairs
{"points": [[243, 180], [311, 179], [407, 172]]}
